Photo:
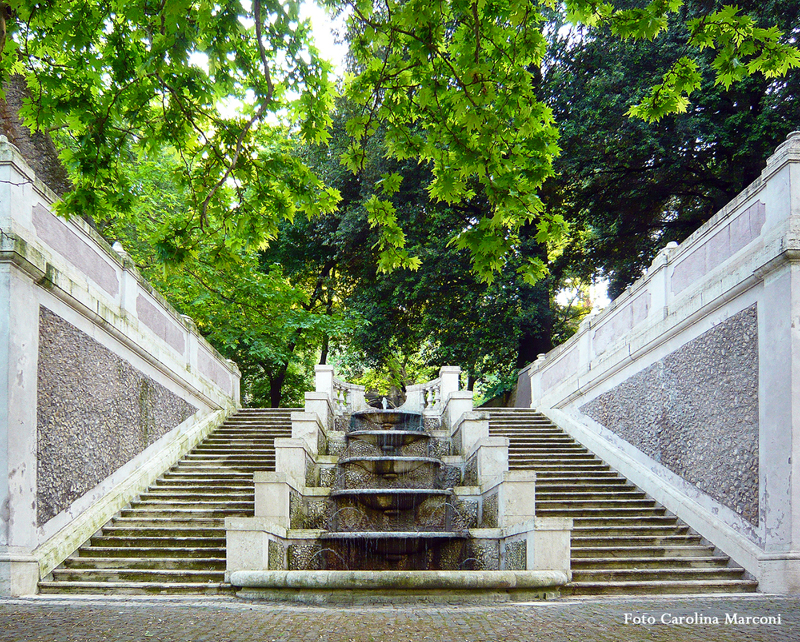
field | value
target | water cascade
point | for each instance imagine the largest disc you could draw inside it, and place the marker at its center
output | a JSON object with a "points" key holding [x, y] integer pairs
{"points": [[382, 504], [391, 507]]}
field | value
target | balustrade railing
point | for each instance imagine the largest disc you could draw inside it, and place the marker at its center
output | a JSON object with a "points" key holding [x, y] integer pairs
{"points": [[347, 397], [429, 397]]}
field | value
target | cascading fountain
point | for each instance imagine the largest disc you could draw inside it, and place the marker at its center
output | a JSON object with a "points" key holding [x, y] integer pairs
{"points": [[371, 504], [391, 509]]}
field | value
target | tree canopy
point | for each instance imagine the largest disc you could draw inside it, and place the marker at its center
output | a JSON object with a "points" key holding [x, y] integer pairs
{"points": [[451, 83], [437, 209], [632, 185]]}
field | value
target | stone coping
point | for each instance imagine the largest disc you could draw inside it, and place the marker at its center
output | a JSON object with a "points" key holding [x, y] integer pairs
{"points": [[394, 586]]}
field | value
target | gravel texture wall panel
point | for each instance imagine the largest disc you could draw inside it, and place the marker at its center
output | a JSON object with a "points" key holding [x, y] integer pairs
{"points": [[696, 412], [95, 412]]}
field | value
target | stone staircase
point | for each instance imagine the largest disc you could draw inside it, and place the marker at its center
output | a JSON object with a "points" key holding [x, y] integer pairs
{"points": [[171, 539], [623, 542]]}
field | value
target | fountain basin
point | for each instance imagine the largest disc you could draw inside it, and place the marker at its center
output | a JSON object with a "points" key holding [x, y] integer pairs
{"points": [[386, 499], [391, 465], [392, 587], [394, 544], [388, 440], [390, 419]]}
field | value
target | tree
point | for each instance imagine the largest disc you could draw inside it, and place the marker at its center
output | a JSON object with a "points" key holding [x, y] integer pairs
{"points": [[245, 306], [405, 320], [633, 185], [204, 78], [453, 84], [117, 75]]}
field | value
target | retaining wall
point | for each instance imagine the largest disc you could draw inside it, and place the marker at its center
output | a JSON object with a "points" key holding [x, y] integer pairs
{"points": [[102, 384], [688, 382]]}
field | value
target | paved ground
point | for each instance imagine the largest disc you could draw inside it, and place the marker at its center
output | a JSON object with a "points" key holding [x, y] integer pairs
{"points": [[56, 619]]}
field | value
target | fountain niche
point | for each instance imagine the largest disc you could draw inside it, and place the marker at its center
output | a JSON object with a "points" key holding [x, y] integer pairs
{"points": [[385, 505]]}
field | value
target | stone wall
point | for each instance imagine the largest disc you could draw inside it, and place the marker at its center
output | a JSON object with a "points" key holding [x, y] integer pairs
{"points": [[696, 412], [95, 412]]}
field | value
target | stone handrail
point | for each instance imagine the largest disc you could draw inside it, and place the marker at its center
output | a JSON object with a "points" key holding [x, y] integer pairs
{"points": [[346, 396], [425, 396], [430, 397]]}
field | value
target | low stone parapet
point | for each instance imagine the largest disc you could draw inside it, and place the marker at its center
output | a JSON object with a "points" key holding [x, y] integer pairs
{"points": [[392, 587]]}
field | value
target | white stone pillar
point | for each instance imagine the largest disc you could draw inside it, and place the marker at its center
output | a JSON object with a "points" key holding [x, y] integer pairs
{"points": [[492, 458], [324, 380], [319, 405], [469, 430], [779, 433], [272, 496], [248, 545], [306, 426], [517, 498], [19, 351], [449, 378], [291, 458], [456, 405]]}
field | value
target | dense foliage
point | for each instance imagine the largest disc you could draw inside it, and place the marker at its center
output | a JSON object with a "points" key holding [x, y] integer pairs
{"points": [[632, 185], [194, 131]]}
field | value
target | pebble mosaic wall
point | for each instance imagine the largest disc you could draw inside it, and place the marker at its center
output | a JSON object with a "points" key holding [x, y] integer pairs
{"points": [[696, 412], [95, 412]]}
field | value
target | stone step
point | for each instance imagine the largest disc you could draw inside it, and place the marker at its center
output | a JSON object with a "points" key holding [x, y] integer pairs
{"points": [[183, 552], [234, 446], [197, 495], [182, 503], [659, 550], [166, 522], [138, 575], [602, 563], [213, 489], [137, 588], [539, 432], [229, 463], [200, 490], [578, 504], [660, 587], [228, 454], [222, 476], [548, 481], [251, 430], [238, 482], [626, 530], [578, 475], [650, 575], [184, 513], [553, 456], [560, 469], [587, 512], [582, 495], [224, 467], [114, 530], [199, 563], [119, 541], [538, 446], [622, 521]]}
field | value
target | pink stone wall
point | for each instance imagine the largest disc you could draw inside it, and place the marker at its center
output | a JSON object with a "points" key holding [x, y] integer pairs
{"points": [[160, 324], [61, 239]]}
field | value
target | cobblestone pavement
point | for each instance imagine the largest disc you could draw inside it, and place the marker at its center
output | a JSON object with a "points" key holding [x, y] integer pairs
{"points": [[90, 619]]}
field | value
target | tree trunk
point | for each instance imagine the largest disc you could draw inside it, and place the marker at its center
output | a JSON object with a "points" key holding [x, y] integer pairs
{"points": [[536, 328], [323, 357], [276, 386]]}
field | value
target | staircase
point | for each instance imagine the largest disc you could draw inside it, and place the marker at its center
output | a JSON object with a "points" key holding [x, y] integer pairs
{"points": [[172, 538], [623, 542]]}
